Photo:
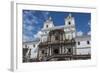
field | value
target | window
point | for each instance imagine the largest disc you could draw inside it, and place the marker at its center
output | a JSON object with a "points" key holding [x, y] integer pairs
{"points": [[69, 50], [45, 32], [56, 51], [42, 51], [69, 23], [78, 43], [88, 42], [56, 38], [46, 26], [34, 45]]}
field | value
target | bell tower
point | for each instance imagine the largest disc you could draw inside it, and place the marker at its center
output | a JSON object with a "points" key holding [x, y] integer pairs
{"points": [[69, 20], [69, 29], [48, 24]]}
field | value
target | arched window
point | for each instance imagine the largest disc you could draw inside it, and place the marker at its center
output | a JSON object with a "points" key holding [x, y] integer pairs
{"points": [[88, 42], [56, 51], [56, 38], [69, 23], [42, 51], [33, 45], [46, 26]]}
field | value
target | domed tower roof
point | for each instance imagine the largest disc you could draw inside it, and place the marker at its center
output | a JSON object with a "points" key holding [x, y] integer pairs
{"points": [[49, 19], [48, 23], [69, 20], [69, 16]]}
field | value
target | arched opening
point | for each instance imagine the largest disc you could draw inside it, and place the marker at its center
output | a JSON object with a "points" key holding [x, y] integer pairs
{"points": [[56, 51], [69, 23], [46, 26], [56, 37]]}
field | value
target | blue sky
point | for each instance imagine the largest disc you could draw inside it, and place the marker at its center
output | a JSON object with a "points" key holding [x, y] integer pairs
{"points": [[33, 22]]}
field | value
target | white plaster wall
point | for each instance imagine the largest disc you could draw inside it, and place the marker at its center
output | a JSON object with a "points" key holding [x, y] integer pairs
{"points": [[82, 44], [83, 51], [50, 24], [33, 53]]}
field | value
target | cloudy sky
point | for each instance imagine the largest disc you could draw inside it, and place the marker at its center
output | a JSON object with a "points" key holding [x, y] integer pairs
{"points": [[33, 22]]}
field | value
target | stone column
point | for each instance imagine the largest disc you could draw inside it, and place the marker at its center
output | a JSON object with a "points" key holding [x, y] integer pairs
{"points": [[50, 51], [60, 49]]}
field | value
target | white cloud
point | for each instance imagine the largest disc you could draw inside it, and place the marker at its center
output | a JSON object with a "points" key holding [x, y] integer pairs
{"points": [[38, 35], [29, 28], [80, 33], [34, 20], [27, 21], [45, 15], [27, 38]]}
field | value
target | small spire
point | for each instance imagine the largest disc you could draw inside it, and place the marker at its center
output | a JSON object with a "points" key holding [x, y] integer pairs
{"points": [[70, 15], [50, 18]]}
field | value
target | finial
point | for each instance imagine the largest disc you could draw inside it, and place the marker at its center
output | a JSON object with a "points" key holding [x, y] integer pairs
{"points": [[50, 18], [70, 15]]}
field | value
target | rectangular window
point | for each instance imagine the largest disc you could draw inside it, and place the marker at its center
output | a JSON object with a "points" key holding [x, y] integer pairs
{"points": [[78, 43], [56, 38], [34, 45]]}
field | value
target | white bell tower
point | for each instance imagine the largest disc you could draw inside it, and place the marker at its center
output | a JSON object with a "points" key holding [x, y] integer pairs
{"points": [[70, 27], [48, 24]]}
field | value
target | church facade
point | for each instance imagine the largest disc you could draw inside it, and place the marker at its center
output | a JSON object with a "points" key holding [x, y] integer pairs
{"points": [[61, 42]]}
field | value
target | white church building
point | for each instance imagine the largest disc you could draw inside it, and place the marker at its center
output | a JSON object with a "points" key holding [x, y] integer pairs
{"points": [[82, 43]]}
